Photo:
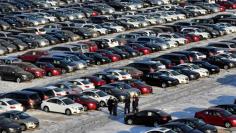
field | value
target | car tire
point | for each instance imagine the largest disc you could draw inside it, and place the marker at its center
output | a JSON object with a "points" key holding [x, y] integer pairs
{"points": [[68, 112], [102, 104], [130, 122], [163, 85], [155, 124], [63, 71], [18, 80], [23, 127], [4, 131], [46, 109], [226, 67], [227, 125]]}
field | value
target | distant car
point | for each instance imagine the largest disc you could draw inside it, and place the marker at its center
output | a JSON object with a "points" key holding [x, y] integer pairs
{"points": [[26, 121], [208, 51], [32, 56], [95, 80], [126, 88], [99, 59], [144, 88], [83, 84], [180, 128], [98, 95], [9, 104], [106, 77], [192, 75], [43, 93], [229, 107], [213, 69], [147, 66], [121, 75], [9, 126], [174, 74], [113, 57], [221, 62], [160, 130], [61, 105], [56, 90], [68, 87], [202, 71], [88, 103], [217, 116], [135, 73], [152, 117], [175, 58], [50, 69], [197, 124]]}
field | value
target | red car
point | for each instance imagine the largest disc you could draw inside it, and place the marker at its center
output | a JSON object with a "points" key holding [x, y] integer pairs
{"points": [[217, 116], [194, 38], [109, 54], [95, 80], [37, 72], [227, 4], [140, 48], [50, 69], [88, 103], [92, 46], [144, 88], [33, 56]]}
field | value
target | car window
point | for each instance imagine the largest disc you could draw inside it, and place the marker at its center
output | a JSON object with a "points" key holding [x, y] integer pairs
{"points": [[142, 113], [3, 103]]}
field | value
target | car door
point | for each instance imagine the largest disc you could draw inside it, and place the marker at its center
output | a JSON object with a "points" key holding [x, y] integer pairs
{"points": [[141, 117], [58, 106], [218, 118]]}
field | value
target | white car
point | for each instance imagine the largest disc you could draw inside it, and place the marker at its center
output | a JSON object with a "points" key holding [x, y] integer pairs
{"points": [[113, 26], [61, 105], [52, 27], [196, 9], [132, 22], [83, 84], [7, 104], [56, 90], [119, 74], [111, 42], [98, 95], [160, 130], [196, 31], [202, 71], [180, 77], [199, 56], [173, 37], [227, 27], [95, 28], [151, 20]]}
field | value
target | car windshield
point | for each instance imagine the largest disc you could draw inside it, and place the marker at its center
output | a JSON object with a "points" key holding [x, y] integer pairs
{"points": [[58, 89], [160, 40], [200, 122], [75, 49], [101, 93], [174, 73], [67, 101], [12, 102], [22, 115], [195, 66], [98, 26], [123, 73], [85, 82]]}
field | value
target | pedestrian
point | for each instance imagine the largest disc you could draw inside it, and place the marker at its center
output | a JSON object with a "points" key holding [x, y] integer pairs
{"points": [[115, 106], [127, 106], [135, 104], [110, 105]]}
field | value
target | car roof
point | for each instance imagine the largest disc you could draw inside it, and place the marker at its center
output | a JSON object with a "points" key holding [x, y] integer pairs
{"points": [[5, 99]]}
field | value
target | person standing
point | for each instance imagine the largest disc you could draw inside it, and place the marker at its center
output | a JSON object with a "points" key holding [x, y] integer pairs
{"points": [[110, 103], [127, 106], [115, 106], [135, 104]]}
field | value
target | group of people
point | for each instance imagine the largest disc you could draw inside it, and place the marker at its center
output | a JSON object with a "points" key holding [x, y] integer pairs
{"points": [[112, 104]]}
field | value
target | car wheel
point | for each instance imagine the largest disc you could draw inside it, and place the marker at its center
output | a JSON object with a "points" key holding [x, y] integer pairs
{"points": [[4, 131], [46, 109], [155, 124], [130, 122], [226, 67], [18, 80], [164, 85], [63, 71], [228, 125], [98, 63], [23, 127], [49, 74], [85, 108], [102, 104], [68, 112]]}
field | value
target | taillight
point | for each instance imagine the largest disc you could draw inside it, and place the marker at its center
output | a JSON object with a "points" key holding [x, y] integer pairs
{"points": [[165, 118], [112, 81], [45, 97], [195, 38], [31, 102], [12, 107], [181, 61], [86, 86], [152, 70], [190, 59], [169, 65], [234, 5], [211, 54], [114, 58], [94, 14]]}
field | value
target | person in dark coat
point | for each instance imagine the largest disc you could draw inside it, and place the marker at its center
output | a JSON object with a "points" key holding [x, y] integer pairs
{"points": [[135, 104], [110, 103], [115, 106], [127, 105]]}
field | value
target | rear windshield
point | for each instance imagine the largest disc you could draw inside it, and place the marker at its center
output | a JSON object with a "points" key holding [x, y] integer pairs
{"points": [[35, 96], [12, 102], [85, 82], [49, 93]]}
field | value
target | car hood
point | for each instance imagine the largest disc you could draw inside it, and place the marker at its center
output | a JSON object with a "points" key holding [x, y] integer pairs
{"points": [[30, 119]]}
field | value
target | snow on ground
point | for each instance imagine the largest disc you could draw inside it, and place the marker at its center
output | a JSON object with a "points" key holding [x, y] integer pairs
{"points": [[224, 92]]}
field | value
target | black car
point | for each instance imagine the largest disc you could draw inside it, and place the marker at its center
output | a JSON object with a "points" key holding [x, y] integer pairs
{"points": [[85, 33], [107, 77], [9, 126], [220, 62], [122, 54], [208, 51], [163, 61], [30, 100], [158, 79], [180, 128], [17, 42], [43, 93], [130, 50], [99, 59], [186, 71], [197, 124], [152, 117], [213, 69], [229, 107], [89, 61], [147, 66], [175, 59], [14, 73]]}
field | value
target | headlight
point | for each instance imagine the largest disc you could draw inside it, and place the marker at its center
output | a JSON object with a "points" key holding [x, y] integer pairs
{"points": [[35, 23], [11, 129], [192, 76], [122, 97], [212, 69], [208, 131], [169, 82]]}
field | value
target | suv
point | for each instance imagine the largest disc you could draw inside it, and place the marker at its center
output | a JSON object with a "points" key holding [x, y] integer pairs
{"points": [[175, 58], [29, 100], [43, 93], [14, 73]]}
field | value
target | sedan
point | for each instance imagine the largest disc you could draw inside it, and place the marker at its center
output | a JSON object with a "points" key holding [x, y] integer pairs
{"points": [[213, 69], [220, 62], [61, 105], [160, 130], [229, 107], [95, 80], [9, 104], [192, 75], [99, 59], [83, 84], [121, 75], [144, 88], [202, 71], [152, 117], [126, 88], [174, 74], [180, 128]]}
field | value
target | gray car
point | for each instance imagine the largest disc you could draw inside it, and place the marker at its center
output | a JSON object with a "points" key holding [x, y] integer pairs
{"points": [[26, 121], [39, 40], [155, 40]]}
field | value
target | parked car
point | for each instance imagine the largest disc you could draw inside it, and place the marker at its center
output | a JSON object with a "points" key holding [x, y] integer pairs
{"points": [[135, 73], [121, 75], [95, 80], [160, 130], [213, 69], [220, 62], [9, 104], [26, 121], [88, 103], [106, 77], [50, 69], [56, 90], [61, 105], [216, 116], [202, 71], [32, 56], [99, 59], [229, 107], [147, 66], [9, 126], [180, 127], [175, 59], [192, 75], [174, 74], [68, 87], [14, 73], [143, 87], [152, 117], [83, 84]]}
